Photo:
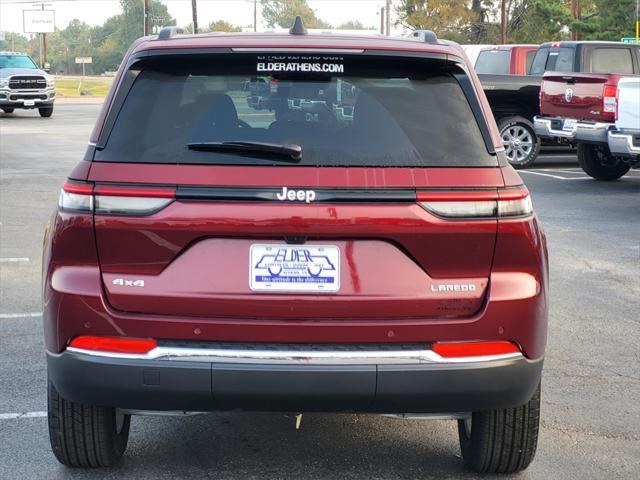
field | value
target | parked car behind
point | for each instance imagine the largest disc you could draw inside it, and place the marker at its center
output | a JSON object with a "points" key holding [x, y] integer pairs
{"points": [[515, 101], [340, 252], [506, 59], [624, 137], [24, 86], [582, 107]]}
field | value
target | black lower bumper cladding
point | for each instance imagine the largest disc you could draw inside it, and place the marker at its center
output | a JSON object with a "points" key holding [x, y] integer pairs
{"points": [[202, 386]]}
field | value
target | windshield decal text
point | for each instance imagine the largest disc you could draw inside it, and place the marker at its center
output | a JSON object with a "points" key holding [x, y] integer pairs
{"points": [[300, 67]]}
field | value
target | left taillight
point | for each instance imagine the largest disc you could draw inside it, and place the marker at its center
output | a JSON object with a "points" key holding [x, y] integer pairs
{"points": [[115, 199]]}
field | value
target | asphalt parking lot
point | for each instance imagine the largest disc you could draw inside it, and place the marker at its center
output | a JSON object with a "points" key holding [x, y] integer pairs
{"points": [[591, 383]]}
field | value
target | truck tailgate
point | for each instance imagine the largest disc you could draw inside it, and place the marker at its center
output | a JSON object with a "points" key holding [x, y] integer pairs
{"points": [[577, 95]]}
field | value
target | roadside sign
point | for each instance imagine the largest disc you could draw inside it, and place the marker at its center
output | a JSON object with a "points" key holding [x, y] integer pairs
{"points": [[629, 40], [38, 21], [84, 59]]}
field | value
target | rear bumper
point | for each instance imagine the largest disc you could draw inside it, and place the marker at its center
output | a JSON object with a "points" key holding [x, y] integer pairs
{"points": [[624, 142], [583, 131], [293, 383]]}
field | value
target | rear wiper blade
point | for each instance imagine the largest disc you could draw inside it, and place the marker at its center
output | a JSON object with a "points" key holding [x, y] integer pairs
{"points": [[291, 151]]}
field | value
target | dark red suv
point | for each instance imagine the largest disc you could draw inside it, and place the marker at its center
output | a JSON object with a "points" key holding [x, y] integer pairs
{"points": [[352, 240]]}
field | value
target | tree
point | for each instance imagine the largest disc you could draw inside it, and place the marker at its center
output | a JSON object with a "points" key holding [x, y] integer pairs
{"points": [[222, 26], [282, 13], [15, 42], [609, 20], [354, 25], [447, 18]]}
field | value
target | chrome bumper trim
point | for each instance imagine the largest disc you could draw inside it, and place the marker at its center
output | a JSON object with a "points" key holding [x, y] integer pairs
{"points": [[581, 131], [622, 143], [295, 357]]}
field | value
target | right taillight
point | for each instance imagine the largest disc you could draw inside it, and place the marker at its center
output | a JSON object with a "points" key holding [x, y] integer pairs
{"points": [[477, 204], [114, 200]]}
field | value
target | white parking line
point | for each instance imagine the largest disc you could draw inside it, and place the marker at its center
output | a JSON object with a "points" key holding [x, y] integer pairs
{"points": [[542, 174], [20, 315], [14, 259], [13, 416]]}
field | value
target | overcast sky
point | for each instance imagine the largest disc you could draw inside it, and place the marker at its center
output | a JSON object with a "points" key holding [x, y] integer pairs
{"points": [[238, 12]]}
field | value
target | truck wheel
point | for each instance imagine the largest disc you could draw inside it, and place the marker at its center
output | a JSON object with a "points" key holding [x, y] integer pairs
{"points": [[521, 144], [85, 435], [8, 110], [501, 441], [598, 162], [46, 111]]}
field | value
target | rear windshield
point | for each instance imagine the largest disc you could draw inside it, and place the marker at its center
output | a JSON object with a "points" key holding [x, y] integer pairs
{"points": [[553, 60], [340, 110], [494, 61]]}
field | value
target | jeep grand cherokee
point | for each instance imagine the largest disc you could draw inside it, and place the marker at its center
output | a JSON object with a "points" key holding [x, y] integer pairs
{"points": [[358, 243]]}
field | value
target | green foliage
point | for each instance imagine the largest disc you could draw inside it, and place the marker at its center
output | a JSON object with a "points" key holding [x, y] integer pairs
{"points": [[354, 25], [282, 13], [529, 21], [106, 43], [222, 26], [611, 20]]}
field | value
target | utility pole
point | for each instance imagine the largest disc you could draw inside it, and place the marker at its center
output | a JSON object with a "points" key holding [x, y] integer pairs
{"points": [[503, 21], [388, 17], [255, 15], [194, 12], [576, 14], [146, 18], [382, 21]]}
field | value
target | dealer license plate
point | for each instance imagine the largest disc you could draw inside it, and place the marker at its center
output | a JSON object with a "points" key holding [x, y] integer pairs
{"points": [[29, 103], [294, 268]]}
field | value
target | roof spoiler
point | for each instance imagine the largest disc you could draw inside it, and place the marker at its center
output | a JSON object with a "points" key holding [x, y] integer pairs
{"points": [[168, 32]]}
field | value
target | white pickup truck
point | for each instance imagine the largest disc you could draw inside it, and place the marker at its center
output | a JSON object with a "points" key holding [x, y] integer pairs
{"points": [[624, 138]]}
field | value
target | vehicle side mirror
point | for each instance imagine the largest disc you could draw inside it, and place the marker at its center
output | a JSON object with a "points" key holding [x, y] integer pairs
{"points": [[47, 67]]}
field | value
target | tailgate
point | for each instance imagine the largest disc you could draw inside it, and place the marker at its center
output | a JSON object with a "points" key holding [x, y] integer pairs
{"points": [[202, 254], [574, 95]]}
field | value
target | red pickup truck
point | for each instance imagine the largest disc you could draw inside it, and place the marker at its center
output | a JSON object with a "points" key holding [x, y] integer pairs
{"points": [[581, 107], [506, 59]]}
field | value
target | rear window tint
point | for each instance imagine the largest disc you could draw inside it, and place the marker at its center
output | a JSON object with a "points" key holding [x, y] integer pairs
{"points": [[494, 61], [342, 111], [611, 60], [540, 61], [563, 60]]}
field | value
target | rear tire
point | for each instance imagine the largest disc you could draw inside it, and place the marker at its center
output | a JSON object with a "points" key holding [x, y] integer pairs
{"points": [[8, 110], [501, 441], [598, 162], [46, 112], [521, 144], [85, 435]]}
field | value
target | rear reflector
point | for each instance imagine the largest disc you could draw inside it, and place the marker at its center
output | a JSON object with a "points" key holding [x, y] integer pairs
{"points": [[115, 200], [477, 205], [114, 344], [474, 349]]}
